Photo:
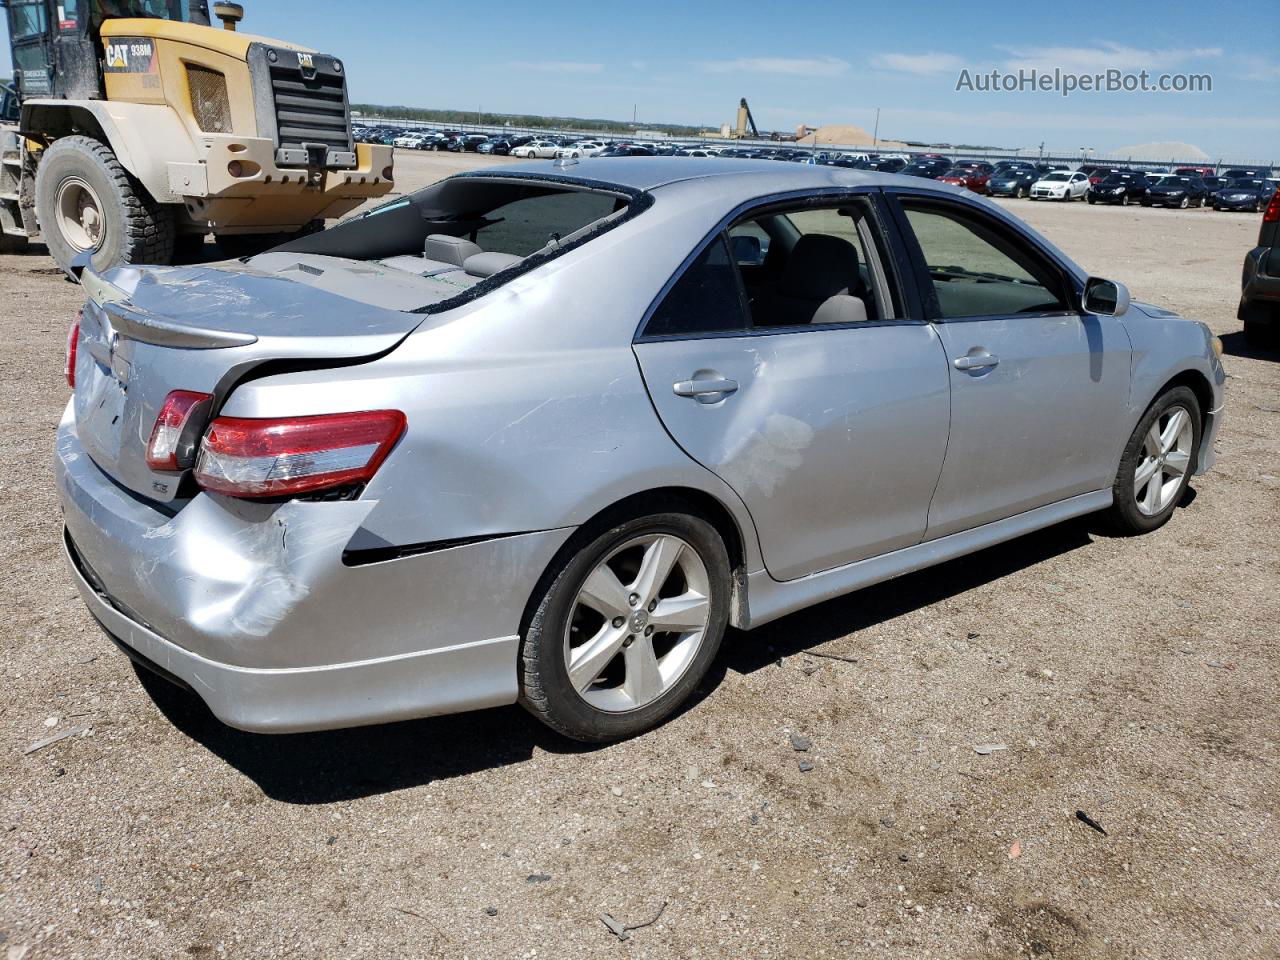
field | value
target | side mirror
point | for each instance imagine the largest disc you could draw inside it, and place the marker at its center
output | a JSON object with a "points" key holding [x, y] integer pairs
{"points": [[1105, 297]]}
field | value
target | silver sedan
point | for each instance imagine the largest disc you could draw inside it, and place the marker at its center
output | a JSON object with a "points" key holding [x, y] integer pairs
{"points": [[541, 434]]}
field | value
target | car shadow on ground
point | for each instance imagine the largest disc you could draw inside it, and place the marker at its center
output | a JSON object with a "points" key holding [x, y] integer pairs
{"points": [[1234, 345], [316, 768], [838, 618]]}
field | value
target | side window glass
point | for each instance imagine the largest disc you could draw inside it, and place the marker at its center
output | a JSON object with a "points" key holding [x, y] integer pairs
{"points": [[704, 300], [977, 271], [823, 265]]}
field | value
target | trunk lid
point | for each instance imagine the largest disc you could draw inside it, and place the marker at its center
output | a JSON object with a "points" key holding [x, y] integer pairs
{"points": [[148, 331]]}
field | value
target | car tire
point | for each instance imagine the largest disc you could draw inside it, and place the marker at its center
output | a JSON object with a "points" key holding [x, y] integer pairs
{"points": [[623, 699], [1184, 203], [1022, 193], [1140, 506], [134, 228], [1261, 325]]}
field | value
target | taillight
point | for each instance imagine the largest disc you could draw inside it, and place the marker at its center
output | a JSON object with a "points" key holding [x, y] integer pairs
{"points": [[1273, 209], [292, 455], [73, 343], [177, 430]]}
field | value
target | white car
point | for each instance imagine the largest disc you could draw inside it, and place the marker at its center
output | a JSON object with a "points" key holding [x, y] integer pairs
{"points": [[586, 148], [407, 140], [1063, 185], [537, 150]]}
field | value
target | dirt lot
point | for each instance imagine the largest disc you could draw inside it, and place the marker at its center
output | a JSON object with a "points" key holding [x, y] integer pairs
{"points": [[1134, 680]]}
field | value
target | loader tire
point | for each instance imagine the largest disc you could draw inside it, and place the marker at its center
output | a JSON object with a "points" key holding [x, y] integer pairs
{"points": [[85, 200]]}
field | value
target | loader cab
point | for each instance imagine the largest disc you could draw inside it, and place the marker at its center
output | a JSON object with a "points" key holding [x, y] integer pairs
{"points": [[55, 43]]}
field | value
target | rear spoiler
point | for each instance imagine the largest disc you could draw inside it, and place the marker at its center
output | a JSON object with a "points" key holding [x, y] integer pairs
{"points": [[135, 324]]}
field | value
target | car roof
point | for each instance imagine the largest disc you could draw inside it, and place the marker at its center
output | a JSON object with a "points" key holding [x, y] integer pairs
{"points": [[731, 175]]}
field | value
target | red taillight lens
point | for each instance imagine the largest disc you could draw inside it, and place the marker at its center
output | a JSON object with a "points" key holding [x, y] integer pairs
{"points": [[1273, 209], [173, 438], [73, 344], [292, 455]]}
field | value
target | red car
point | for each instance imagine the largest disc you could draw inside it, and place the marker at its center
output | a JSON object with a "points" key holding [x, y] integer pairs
{"points": [[1195, 171], [972, 175]]}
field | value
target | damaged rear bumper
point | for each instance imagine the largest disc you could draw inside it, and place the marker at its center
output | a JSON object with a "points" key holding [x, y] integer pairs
{"points": [[253, 607]]}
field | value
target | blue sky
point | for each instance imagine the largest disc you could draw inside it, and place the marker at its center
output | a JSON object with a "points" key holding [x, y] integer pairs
{"points": [[814, 62]]}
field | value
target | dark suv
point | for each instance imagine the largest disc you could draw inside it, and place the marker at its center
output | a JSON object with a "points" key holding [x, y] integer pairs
{"points": [[1260, 298]]}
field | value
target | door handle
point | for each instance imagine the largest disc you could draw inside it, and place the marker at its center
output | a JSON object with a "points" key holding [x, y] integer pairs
{"points": [[980, 362], [707, 388]]}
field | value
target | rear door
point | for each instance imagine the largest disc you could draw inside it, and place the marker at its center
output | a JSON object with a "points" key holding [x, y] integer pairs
{"points": [[1036, 385], [832, 429]]}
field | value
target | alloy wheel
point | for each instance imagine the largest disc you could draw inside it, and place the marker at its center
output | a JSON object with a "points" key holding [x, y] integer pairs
{"points": [[637, 622], [1166, 458]]}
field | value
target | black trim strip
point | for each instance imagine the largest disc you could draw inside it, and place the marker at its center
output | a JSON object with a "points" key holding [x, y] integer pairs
{"points": [[360, 558]]}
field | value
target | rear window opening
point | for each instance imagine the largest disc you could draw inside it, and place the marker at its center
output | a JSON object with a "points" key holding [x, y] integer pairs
{"points": [[453, 241]]}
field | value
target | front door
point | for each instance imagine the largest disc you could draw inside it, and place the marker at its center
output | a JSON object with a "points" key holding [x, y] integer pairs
{"points": [[810, 391], [1034, 382], [29, 35]]}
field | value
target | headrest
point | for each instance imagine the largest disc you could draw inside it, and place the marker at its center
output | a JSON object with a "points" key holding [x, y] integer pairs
{"points": [[487, 264], [447, 249], [746, 249], [820, 266], [841, 309]]}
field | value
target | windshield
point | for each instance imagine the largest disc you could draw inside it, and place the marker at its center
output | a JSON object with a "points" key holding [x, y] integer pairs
{"points": [[1055, 177], [1119, 178], [156, 9], [1244, 184]]}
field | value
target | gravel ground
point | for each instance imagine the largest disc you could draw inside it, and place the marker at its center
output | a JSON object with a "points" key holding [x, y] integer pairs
{"points": [[1133, 679]]}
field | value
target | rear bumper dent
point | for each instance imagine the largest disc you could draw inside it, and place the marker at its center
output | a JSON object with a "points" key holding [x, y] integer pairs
{"points": [[468, 676]]}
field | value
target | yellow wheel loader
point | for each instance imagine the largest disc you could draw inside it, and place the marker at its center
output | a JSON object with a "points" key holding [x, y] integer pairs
{"points": [[136, 128]]}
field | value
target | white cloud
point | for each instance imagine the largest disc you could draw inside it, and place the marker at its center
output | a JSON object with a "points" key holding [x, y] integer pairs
{"points": [[800, 67], [918, 63], [1259, 70], [1106, 56], [558, 66]]}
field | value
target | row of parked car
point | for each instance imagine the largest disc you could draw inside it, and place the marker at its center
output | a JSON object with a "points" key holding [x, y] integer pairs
{"points": [[1240, 188], [1244, 188]]}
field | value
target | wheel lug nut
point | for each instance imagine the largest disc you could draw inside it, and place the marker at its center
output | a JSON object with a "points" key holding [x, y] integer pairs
{"points": [[630, 639], [648, 631], [653, 605], [633, 599], [618, 621]]}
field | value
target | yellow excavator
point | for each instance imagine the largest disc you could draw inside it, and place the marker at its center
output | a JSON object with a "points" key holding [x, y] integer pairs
{"points": [[134, 128]]}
